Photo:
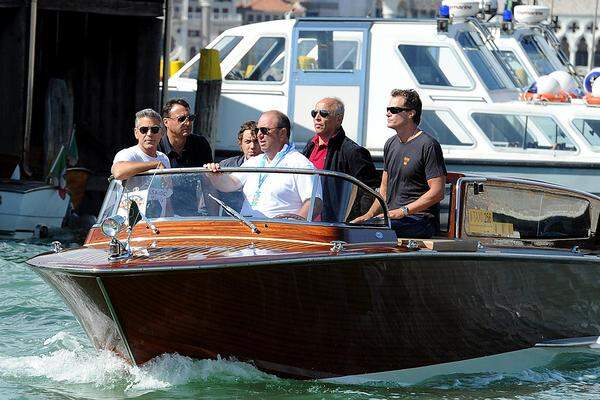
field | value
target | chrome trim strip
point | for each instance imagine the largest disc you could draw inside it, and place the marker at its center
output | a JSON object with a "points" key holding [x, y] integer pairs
{"points": [[115, 318], [421, 253]]}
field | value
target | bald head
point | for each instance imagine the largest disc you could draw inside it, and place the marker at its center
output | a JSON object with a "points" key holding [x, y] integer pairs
{"points": [[328, 116]]}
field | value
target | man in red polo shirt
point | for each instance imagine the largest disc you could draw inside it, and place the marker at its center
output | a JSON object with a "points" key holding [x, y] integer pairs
{"points": [[332, 150]]}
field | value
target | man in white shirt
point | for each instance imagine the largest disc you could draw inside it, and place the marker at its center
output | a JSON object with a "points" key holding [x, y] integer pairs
{"points": [[143, 156], [273, 195]]}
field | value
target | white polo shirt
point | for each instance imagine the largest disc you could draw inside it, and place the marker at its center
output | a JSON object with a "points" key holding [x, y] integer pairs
{"points": [[135, 153], [278, 193]]}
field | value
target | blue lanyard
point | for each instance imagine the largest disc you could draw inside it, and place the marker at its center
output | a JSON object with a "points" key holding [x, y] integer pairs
{"points": [[276, 160]]}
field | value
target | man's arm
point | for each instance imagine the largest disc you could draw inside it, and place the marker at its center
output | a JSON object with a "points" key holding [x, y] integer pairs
{"points": [[126, 169], [434, 195], [223, 182], [376, 206]]}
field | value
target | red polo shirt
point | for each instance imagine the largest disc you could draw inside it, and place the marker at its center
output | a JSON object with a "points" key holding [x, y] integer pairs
{"points": [[318, 154]]}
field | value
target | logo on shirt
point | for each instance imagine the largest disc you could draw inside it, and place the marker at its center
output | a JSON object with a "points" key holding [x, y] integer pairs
{"points": [[405, 161]]}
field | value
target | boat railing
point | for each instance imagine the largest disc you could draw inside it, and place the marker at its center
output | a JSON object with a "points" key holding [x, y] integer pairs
{"points": [[489, 42]]}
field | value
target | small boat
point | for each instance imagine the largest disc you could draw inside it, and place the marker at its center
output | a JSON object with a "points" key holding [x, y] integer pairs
{"points": [[512, 281], [30, 208]]}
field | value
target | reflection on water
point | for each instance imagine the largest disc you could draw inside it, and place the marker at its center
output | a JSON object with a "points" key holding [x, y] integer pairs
{"points": [[45, 354]]}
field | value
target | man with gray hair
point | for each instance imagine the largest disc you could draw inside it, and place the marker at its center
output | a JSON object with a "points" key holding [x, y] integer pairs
{"points": [[332, 150], [144, 155]]}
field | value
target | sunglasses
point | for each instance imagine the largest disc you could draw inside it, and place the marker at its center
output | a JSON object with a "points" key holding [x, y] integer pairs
{"points": [[397, 110], [153, 129], [181, 119], [264, 130], [322, 113]]}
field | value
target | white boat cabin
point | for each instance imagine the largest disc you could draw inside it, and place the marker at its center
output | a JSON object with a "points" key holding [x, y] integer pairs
{"points": [[469, 99]]}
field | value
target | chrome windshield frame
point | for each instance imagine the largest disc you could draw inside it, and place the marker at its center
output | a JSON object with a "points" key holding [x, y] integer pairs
{"points": [[303, 171]]}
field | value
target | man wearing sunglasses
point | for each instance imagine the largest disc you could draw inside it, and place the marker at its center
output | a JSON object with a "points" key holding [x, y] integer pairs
{"points": [[144, 155], [183, 148], [274, 195], [332, 150], [414, 172]]}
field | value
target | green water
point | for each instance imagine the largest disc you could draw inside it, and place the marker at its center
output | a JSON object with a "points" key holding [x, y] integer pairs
{"points": [[44, 354]]}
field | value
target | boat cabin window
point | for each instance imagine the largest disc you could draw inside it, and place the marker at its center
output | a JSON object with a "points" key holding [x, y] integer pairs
{"points": [[519, 71], [265, 62], [501, 211], [523, 132], [224, 45], [476, 52], [256, 194], [590, 129], [536, 55], [444, 127], [435, 66], [328, 51]]}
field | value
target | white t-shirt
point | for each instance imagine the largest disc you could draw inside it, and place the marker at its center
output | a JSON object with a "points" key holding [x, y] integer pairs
{"points": [[157, 192], [135, 153], [278, 193]]}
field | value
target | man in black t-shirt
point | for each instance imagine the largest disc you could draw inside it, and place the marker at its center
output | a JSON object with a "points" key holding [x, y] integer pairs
{"points": [[414, 173]]}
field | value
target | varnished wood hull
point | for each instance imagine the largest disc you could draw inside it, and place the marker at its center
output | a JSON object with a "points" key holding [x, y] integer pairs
{"points": [[337, 316]]}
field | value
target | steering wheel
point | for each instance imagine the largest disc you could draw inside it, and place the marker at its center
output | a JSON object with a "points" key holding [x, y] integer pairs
{"points": [[290, 216]]}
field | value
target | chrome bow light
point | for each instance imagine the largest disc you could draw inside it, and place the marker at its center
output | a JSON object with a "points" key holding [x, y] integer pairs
{"points": [[111, 227]]}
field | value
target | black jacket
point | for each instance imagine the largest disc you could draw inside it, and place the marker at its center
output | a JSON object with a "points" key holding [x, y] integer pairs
{"points": [[345, 155]]}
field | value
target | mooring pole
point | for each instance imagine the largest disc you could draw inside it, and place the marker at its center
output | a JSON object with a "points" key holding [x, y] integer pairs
{"points": [[594, 25], [30, 77], [165, 55], [208, 93]]}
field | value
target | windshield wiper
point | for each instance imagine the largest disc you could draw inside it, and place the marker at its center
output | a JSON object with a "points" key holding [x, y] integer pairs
{"points": [[235, 214]]}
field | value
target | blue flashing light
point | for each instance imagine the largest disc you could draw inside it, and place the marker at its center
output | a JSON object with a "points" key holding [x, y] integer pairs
{"points": [[507, 16], [444, 11]]}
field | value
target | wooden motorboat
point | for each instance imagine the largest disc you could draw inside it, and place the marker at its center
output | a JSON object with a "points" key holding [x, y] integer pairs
{"points": [[513, 280]]}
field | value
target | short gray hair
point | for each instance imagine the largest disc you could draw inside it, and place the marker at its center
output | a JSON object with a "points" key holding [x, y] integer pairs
{"points": [[339, 105], [147, 113]]}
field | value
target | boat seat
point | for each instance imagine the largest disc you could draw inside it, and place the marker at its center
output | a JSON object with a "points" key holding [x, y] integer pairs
{"points": [[441, 245]]}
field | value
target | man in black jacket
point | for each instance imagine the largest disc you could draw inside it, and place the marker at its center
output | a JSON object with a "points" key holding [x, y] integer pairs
{"points": [[332, 150]]}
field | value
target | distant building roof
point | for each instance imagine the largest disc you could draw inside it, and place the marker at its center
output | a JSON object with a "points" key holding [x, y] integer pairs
{"points": [[274, 6]]}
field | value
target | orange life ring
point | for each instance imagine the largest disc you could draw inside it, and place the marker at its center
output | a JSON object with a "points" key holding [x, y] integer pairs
{"points": [[561, 97], [592, 100]]}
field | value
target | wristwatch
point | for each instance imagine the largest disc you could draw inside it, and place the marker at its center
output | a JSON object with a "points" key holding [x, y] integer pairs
{"points": [[404, 210]]}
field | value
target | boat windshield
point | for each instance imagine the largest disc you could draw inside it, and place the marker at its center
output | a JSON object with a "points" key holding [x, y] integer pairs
{"points": [[501, 210], [590, 129], [519, 71], [444, 127], [476, 54], [253, 194], [520, 132], [536, 55]]}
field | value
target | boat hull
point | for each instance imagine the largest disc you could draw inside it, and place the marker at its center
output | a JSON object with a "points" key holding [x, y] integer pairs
{"points": [[24, 205], [335, 317]]}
